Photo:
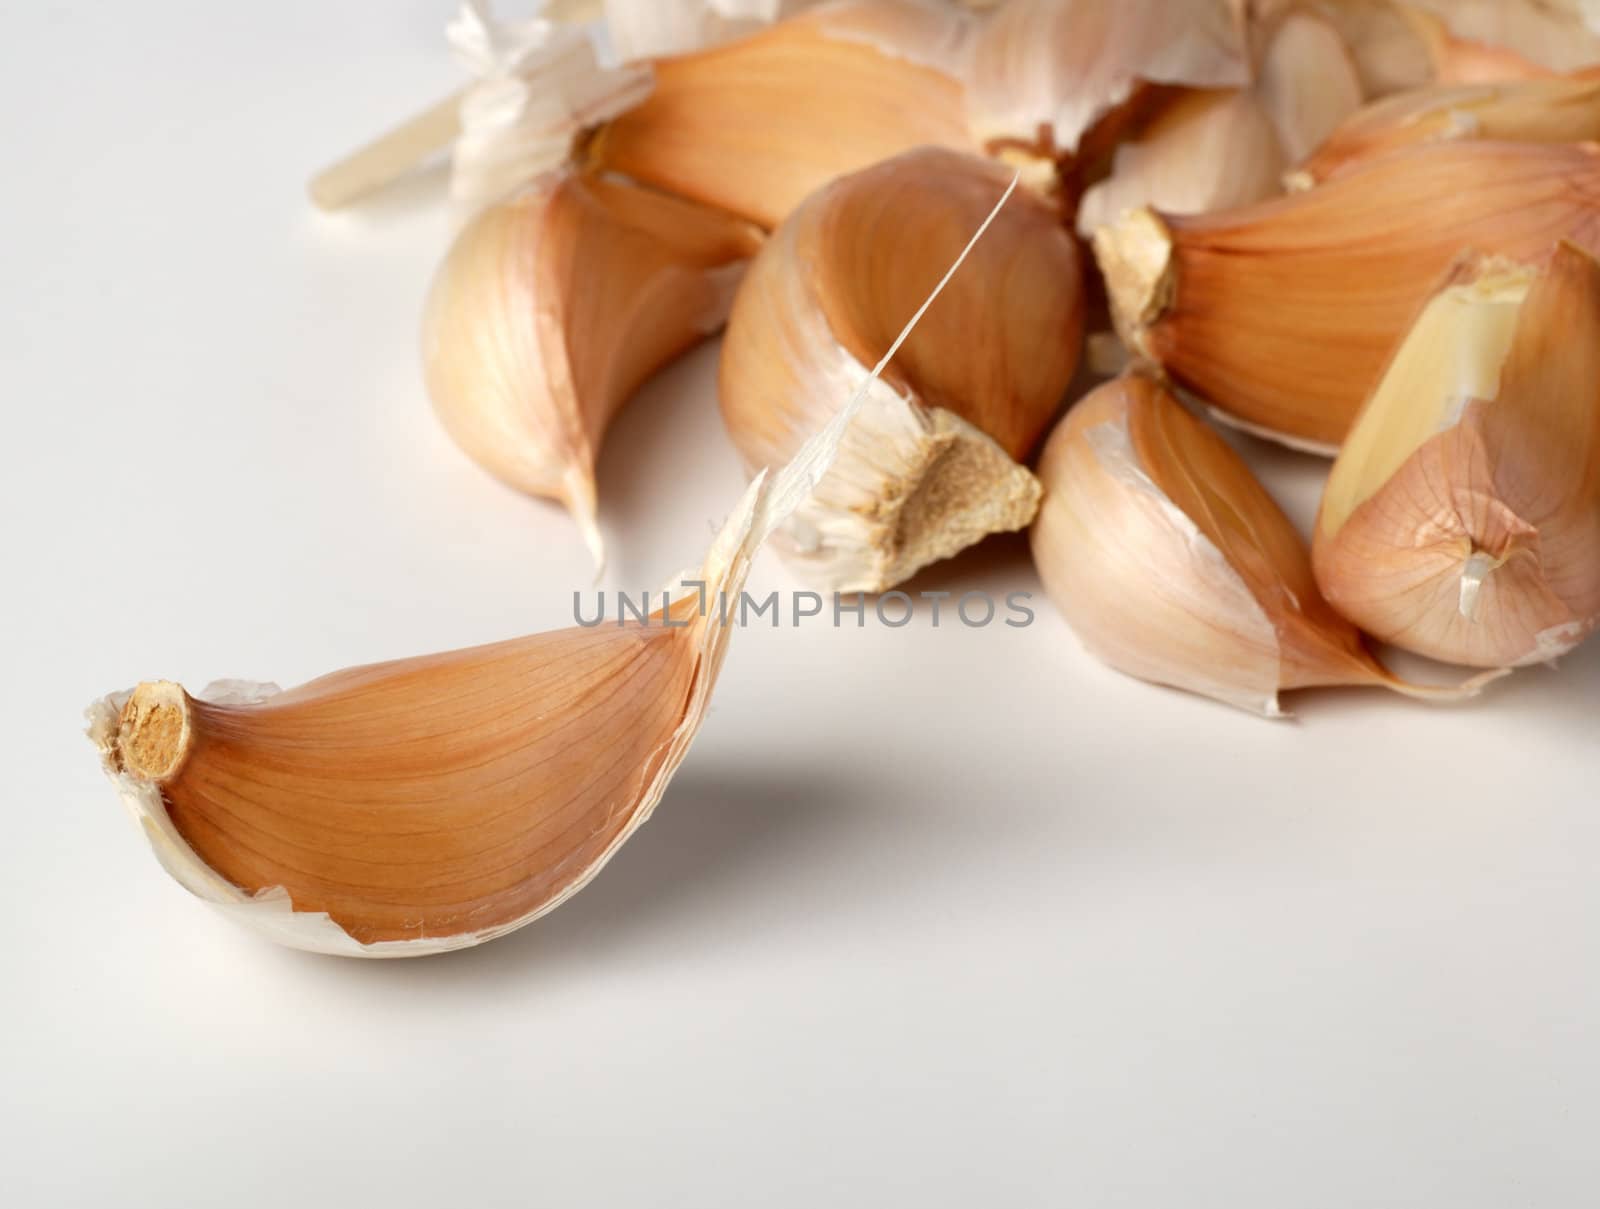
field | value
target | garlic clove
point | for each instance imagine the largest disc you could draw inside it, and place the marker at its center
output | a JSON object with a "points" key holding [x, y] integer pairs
{"points": [[1173, 564], [1487, 41], [1307, 82], [1462, 518], [755, 126], [553, 308], [426, 804], [1208, 150], [1282, 315], [1533, 111], [933, 461], [1045, 71]]}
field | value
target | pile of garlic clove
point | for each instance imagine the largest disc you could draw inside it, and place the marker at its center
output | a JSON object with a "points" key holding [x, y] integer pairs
{"points": [[1363, 228]]}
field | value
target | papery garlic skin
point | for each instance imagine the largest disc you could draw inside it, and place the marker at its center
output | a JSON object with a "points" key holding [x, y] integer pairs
{"points": [[553, 308], [538, 84], [1462, 519], [756, 126], [934, 460], [1173, 564], [1045, 71], [1283, 314], [1533, 111]]}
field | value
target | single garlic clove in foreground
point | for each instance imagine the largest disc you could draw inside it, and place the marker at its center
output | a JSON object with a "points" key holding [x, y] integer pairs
{"points": [[1044, 72], [1282, 315], [1527, 111], [755, 126], [1173, 564], [1462, 518], [934, 461], [428, 804], [554, 307]]}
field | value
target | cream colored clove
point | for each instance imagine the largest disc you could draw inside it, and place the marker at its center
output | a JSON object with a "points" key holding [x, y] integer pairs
{"points": [[1173, 564], [936, 458], [1462, 518], [553, 308]]}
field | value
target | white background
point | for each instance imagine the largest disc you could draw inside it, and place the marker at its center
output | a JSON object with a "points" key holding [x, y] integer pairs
{"points": [[928, 917]]}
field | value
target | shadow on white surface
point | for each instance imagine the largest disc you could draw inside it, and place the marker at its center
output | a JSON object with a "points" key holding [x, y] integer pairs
{"points": [[711, 850]]}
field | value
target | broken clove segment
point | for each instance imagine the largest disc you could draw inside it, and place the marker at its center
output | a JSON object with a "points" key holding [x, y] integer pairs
{"points": [[935, 460]]}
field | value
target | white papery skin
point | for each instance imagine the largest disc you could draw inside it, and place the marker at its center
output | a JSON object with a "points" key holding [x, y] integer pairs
{"points": [[1058, 66], [1107, 534], [539, 84]]}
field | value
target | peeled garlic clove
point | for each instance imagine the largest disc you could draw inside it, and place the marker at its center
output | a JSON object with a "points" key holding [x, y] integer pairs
{"points": [[932, 462], [1206, 151], [1282, 315], [1173, 564], [1307, 83], [1529, 111], [1462, 518], [1045, 71], [553, 308], [755, 126], [1486, 41]]}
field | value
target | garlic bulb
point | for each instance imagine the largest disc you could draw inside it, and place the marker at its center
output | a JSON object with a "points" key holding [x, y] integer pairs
{"points": [[553, 308], [755, 126], [1528, 111], [1045, 71], [1462, 518], [932, 462], [427, 804], [1173, 564], [1215, 149], [1282, 315]]}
